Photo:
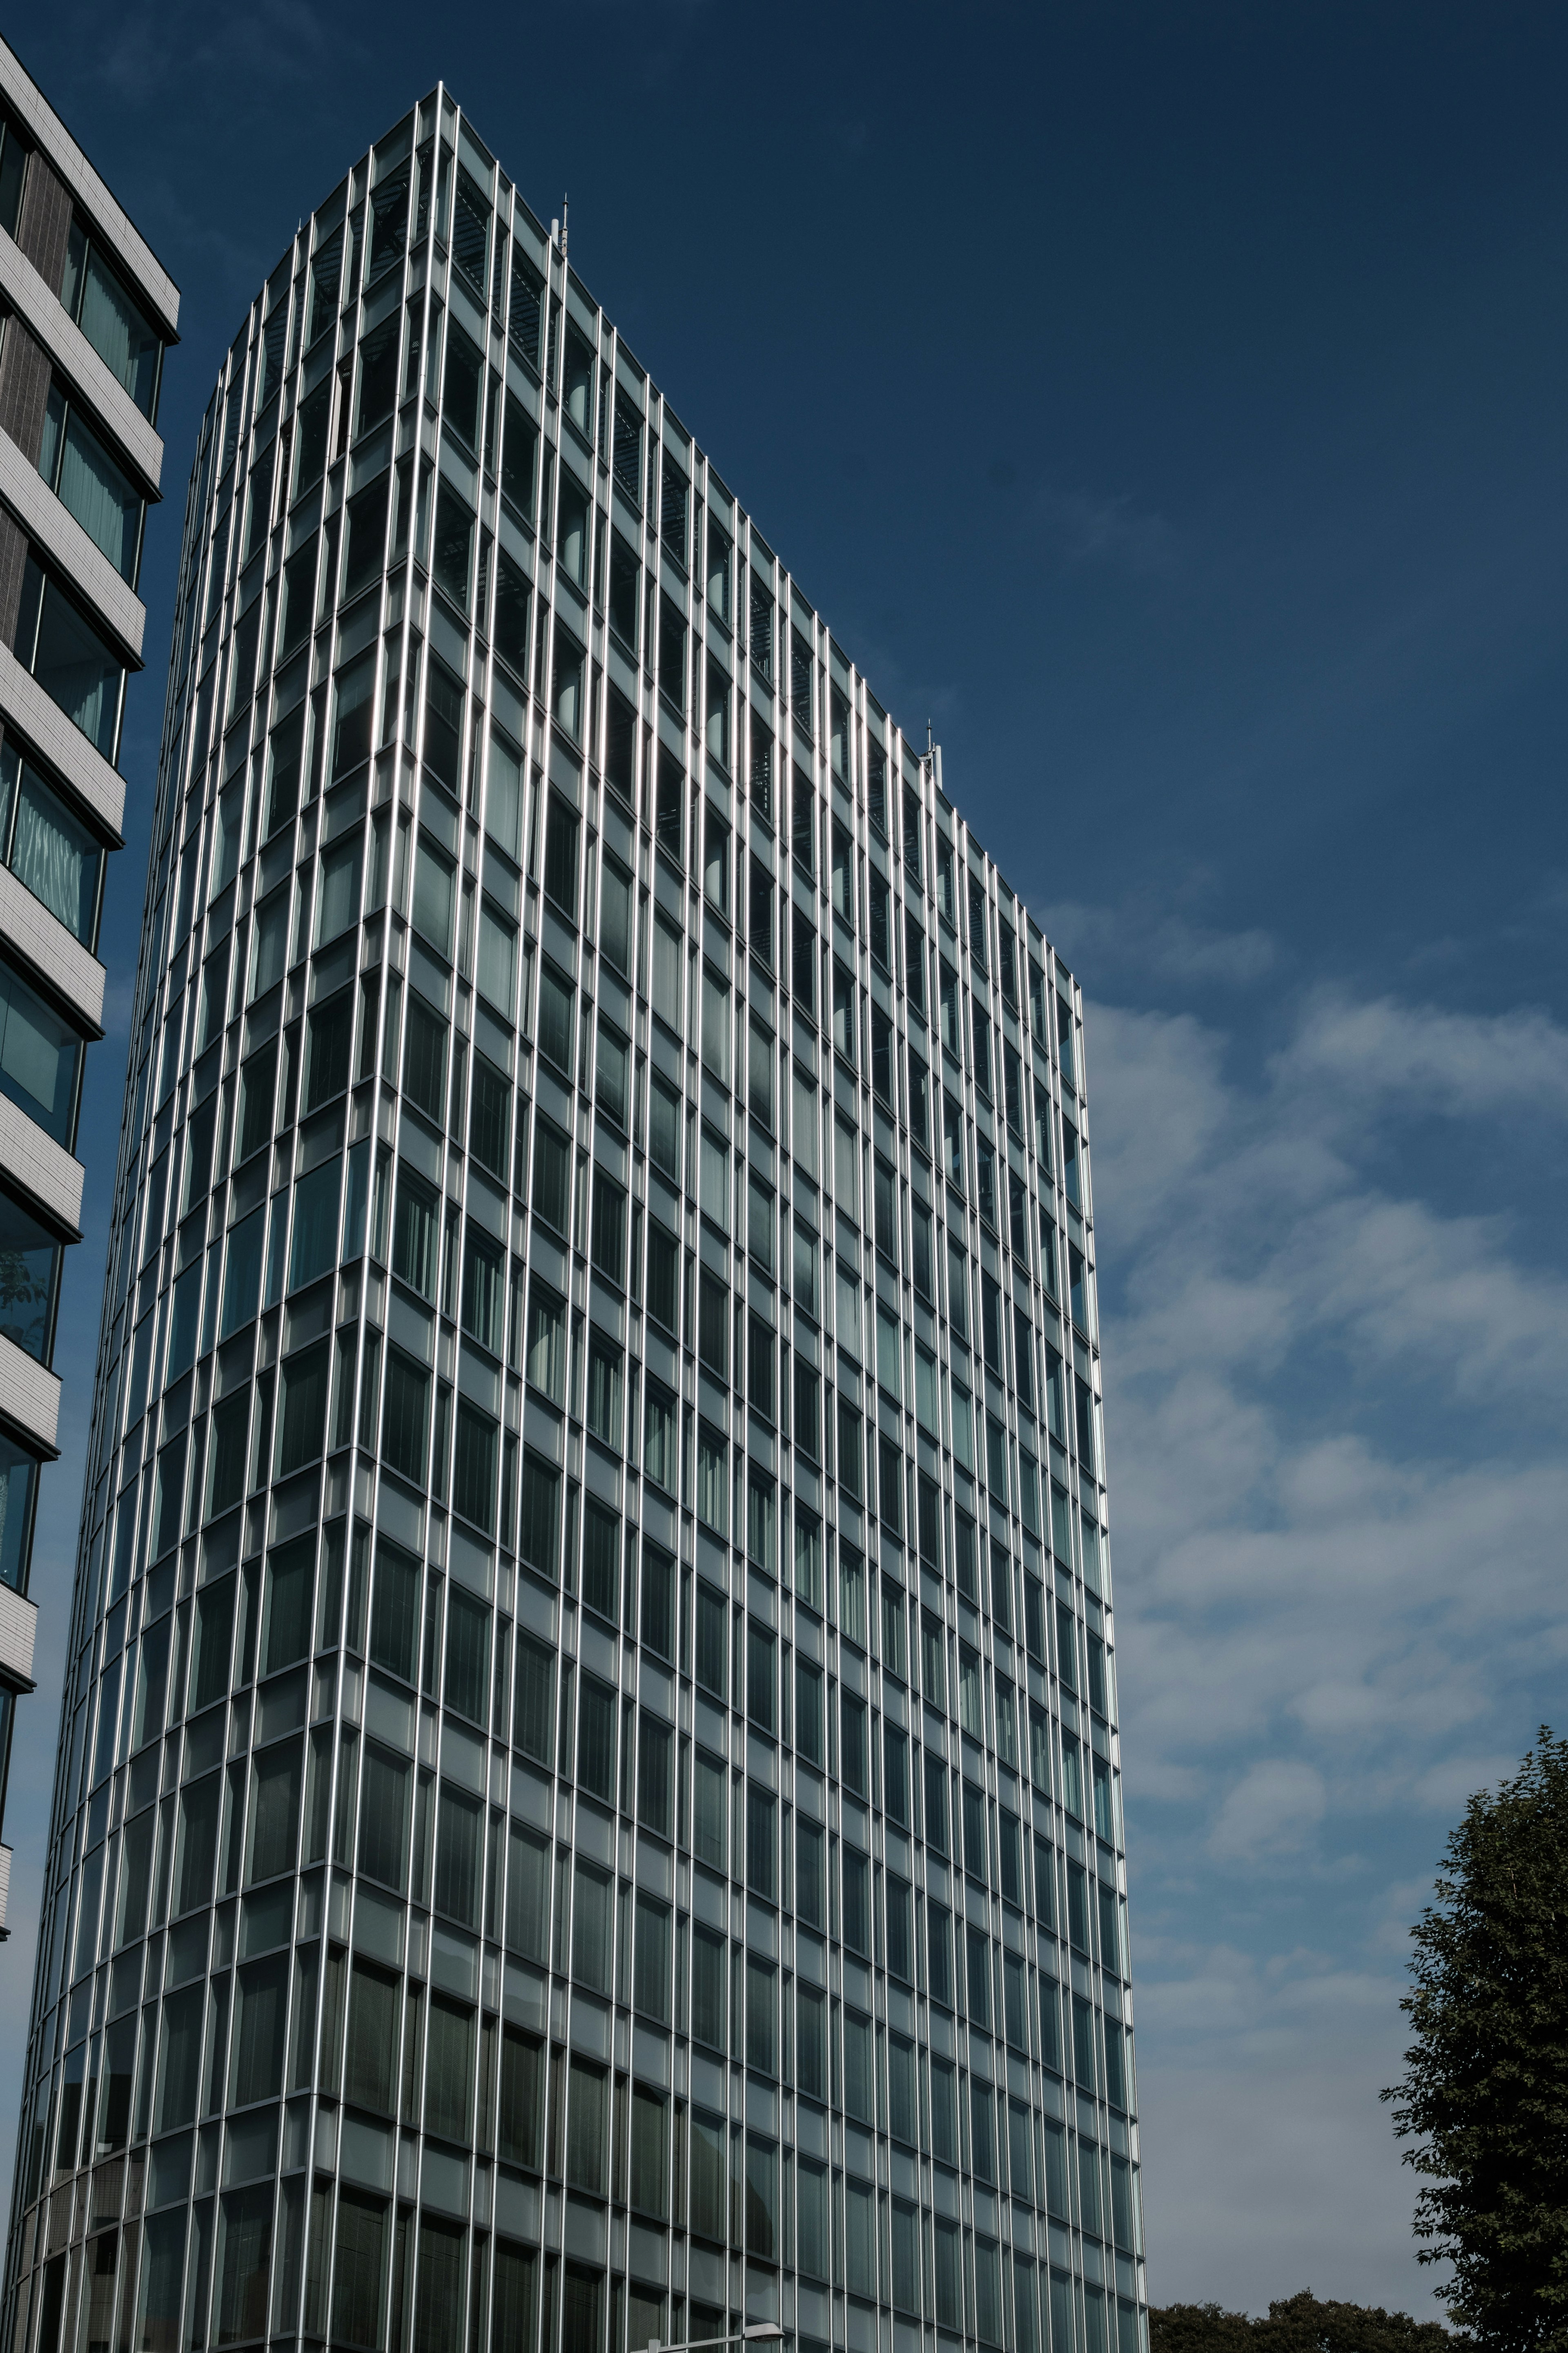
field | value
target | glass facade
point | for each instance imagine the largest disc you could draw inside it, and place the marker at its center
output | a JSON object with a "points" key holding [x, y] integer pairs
{"points": [[588, 1802], [79, 462]]}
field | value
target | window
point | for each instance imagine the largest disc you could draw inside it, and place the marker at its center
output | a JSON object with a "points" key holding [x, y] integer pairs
{"points": [[844, 1023], [561, 856], [713, 1176], [760, 914], [423, 1062], [761, 1843], [598, 1711], [556, 1023], [655, 1776], [338, 889], [70, 661], [712, 1479], [895, 1772], [671, 654], [574, 531], [533, 1705], [605, 1379], [675, 494], [708, 2024], [716, 863], [567, 689], [881, 924], [588, 2129], [520, 458], [497, 968], [762, 1507], [760, 1365], [615, 902], [660, 1453], [668, 972], [666, 1123], [713, 1325], [30, 1257], [406, 1416], [804, 962], [41, 1059], [611, 1073], [452, 548], [807, 1410], [712, 1642], [657, 1622], [981, 1043], [443, 703], [353, 713], [804, 1272], [803, 824], [464, 387], [601, 1550], [628, 446], [378, 376], [484, 1290], [986, 1179], [116, 327], [546, 1346], [609, 1228], [761, 614], [89, 485], [13, 176], [719, 554], [663, 1279], [626, 591], [48, 850], [718, 710], [762, 777], [802, 698]]}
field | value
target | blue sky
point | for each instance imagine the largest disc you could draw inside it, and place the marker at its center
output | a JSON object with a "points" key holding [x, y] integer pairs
{"points": [[1167, 401]]}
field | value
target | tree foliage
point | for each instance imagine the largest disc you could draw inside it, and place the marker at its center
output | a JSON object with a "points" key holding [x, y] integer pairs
{"points": [[1297, 2324], [1484, 2098]]}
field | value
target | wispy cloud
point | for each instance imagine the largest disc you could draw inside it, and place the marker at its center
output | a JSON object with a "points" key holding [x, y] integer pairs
{"points": [[1091, 527], [1391, 1054], [1153, 938], [1339, 1488]]}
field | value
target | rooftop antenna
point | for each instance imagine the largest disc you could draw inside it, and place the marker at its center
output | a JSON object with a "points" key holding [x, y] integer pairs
{"points": [[931, 740], [565, 201]]}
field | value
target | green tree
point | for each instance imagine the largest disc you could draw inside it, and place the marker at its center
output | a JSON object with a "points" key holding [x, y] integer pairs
{"points": [[1199, 2328], [1484, 2098], [1297, 2324]]}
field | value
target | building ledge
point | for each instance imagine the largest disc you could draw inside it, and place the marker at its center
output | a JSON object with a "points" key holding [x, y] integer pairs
{"points": [[29, 1398], [73, 971], [51, 326], [18, 1633], [150, 281], [60, 742], [41, 1167], [78, 559]]}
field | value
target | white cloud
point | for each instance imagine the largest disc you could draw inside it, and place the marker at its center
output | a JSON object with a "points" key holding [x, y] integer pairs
{"points": [[1093, 528], [1338, 1494], [1272, 1810], [1452, 1064], [1151, 938], [1269, 2162]]}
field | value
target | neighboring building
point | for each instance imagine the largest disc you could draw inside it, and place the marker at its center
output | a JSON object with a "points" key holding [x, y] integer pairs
{"points": [[588, 1799], [85, 313]]}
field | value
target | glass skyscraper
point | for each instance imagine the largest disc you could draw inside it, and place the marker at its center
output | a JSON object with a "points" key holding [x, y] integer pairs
{"points": [[85, 313], [588, 1797]]}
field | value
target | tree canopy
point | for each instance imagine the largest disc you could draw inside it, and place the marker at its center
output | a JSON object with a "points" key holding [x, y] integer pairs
{"points": [[1483, 2102], [1297, 2324]]}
